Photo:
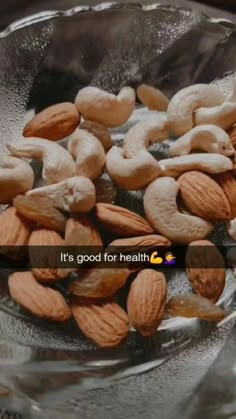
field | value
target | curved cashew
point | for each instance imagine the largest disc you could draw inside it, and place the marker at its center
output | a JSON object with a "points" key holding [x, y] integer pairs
{"points": [[143, 134], [205, 137], [58, 164], [223, 116], [182, 105], [76, 194], [99, 131], [100, 106], [153, 98], [89, 154], [16, 177], [162, 213], [131, 174], [209, 163]]}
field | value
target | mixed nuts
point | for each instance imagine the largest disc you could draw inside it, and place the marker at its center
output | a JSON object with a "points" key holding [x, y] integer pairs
{"points": [[184, 196]]}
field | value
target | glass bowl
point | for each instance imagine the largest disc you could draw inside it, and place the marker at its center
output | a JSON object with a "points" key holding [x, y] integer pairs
{"points": [[46, 59]]}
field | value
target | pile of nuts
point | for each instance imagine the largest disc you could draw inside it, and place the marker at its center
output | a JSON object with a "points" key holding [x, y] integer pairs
{"points": [[184, 196]]}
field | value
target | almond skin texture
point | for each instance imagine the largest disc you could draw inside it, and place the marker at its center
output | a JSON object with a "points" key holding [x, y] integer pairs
{"points": [[146, 301], [81, 231], [40, 210], [233, 171], [54, 123], [228, 184], [206, 281], [45, 237], [105, 323], [40, 301], [121, 221], [142, 241], [15, 230], [204, 197], [132, 245]]}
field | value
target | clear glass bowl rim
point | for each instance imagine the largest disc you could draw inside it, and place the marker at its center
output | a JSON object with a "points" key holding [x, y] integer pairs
{"points": [[57, 13]]}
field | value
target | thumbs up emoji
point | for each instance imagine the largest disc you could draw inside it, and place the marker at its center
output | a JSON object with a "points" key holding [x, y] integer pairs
{"points": [[155, 259]]}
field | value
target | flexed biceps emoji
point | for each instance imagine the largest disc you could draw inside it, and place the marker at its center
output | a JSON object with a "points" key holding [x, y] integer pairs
{"points": [[155, 259]]}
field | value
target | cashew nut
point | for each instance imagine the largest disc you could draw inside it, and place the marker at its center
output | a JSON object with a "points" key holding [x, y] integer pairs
{"points": [[88, 152], [76, 194], [100, 106], [205, 137], [231, 229], [153, 98], [183, 104], [16, 177], [206, 162], [232, 95], [223, 116], [134, 173], [99, 131], [162, 213], [58, 164], [143, 134]]}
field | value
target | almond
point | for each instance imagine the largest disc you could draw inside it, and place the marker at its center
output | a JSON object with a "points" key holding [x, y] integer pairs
{"points": [[41, 301], [81, 231], [40, 210], [137, 245], [48, 256], [151, 240], [146, 301], [54, 123], [232, 134], [233, 171], [15, 231], [100, 283], [209, 279], [228, 184], [204, 197], [104, 322], [121, 221]]}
